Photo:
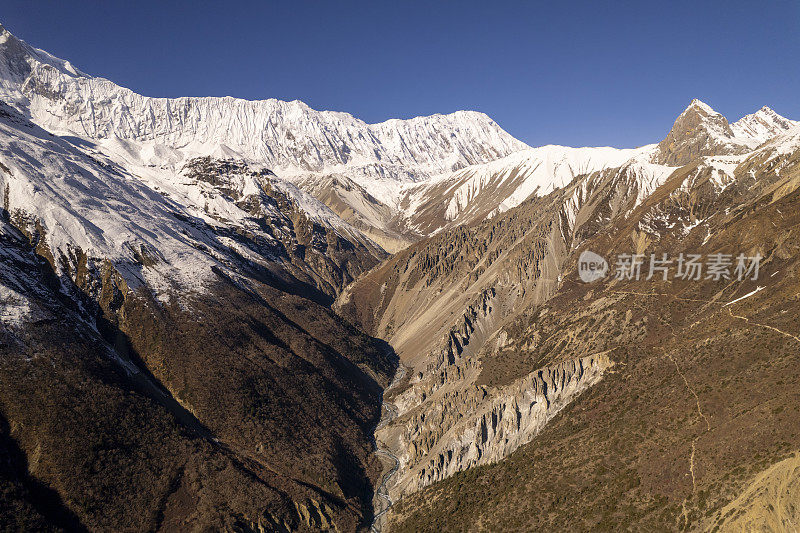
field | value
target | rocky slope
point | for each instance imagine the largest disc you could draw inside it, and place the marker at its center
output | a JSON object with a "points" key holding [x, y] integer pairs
{"points": [[123, 413], [444, 304], [169, 270], [464, 309], [169, 356], [704, 399]]}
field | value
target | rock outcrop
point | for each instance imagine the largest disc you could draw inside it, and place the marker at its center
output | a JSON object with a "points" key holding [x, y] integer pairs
{"points": [[699, 131], [482, 426]]}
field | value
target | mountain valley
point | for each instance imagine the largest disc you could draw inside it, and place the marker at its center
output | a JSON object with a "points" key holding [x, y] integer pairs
{"points": [[221, 314]]}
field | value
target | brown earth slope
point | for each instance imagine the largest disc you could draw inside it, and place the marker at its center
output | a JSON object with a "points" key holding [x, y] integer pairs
{"points": [[225, 414], [244, 405], [682, 432]]}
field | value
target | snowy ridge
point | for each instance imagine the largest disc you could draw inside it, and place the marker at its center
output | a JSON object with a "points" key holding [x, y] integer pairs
{"points": [[289, 137], [159, 229], [491, 188], [763, 125], [17, 59], [539, 171], [77, 202], [781, 145]]}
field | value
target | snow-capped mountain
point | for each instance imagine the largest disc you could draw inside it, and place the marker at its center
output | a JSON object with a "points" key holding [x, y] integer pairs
{"points": [[288, 137], [484, 190], [167, 232], [481, 191], [762, 125], [407, 178], [176, 275], [161, 187], [700, 131]]}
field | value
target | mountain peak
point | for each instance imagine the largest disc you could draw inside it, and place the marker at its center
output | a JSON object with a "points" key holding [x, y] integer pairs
{"points": [[697, 104], [698, 131], [8, 39], [762, 125], [18, 60]]}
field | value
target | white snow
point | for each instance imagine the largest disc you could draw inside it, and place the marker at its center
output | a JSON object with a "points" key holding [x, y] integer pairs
{"points": [[763, 125], [722, 168], [14, 307], [110, 180], [290, 138], [784, 144], [106, 214], [748, 295]]}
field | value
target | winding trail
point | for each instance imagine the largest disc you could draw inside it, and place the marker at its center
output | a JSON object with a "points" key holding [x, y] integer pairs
{"points": [[784, 333], [381, 499], [683, 519]]}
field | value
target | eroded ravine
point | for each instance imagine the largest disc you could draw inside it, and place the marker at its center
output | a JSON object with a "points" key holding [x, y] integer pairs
{"points": [[382, 502]]}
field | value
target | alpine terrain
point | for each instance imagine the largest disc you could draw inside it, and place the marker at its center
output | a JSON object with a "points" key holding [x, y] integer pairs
{"points": [[222, 314]]}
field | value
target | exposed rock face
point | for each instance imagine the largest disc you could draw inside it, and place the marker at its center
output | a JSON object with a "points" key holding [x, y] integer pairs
{"points": [[699, 131], [491, 425], [289, 224]]}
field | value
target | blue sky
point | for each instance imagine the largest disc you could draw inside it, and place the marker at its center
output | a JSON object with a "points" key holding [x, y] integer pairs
{"points": [[574, 73]]}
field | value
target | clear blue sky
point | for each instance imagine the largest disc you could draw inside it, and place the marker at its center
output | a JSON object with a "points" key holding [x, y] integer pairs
{"points": [[575, 73]]}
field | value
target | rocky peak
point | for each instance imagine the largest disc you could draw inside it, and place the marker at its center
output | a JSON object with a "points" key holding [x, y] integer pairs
{"points": [[698, 105], [698, 131]]}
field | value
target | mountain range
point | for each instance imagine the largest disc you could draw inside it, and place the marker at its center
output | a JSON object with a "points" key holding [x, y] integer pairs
{"points": [[216, 311]]}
